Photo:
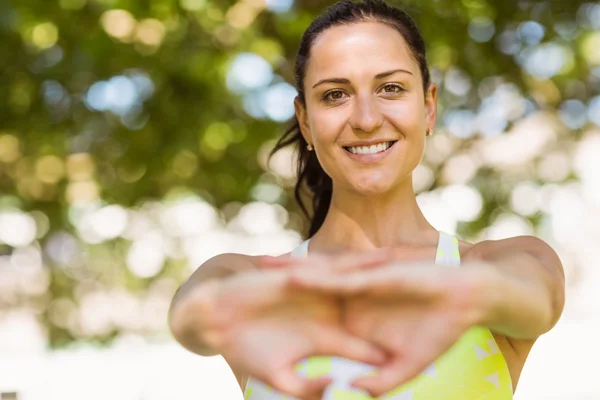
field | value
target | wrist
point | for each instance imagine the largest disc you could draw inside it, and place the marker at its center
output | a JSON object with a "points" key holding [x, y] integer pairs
{"points": [[484, 287]]}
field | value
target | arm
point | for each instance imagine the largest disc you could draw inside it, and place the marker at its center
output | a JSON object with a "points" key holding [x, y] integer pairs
{"points": [[188, 304], [524, 294], [233, 307]]}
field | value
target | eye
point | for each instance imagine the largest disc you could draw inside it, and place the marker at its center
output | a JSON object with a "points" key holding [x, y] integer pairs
{"points": [[393, 88], [333, 95]]}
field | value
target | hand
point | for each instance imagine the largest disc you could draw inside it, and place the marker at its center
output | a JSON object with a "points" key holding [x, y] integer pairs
{"points": [[414, 311], [347, 262], [263, 327]]}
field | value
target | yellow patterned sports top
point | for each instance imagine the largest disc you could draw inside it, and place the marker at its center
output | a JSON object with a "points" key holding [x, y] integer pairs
{"points": [[472, 369]]}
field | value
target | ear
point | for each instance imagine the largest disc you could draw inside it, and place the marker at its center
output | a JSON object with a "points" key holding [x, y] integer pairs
{"points": [[431, 106], [302, 117]]}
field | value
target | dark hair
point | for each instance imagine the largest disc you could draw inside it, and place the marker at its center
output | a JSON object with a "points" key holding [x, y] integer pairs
{"points": [[308, 170]]}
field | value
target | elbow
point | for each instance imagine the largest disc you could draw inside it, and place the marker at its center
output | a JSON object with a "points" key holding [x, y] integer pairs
{"points": [[553, 305], [558, 302]]}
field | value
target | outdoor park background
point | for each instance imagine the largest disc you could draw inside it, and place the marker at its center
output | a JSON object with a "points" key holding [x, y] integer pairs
{"points": [[133, 146]]}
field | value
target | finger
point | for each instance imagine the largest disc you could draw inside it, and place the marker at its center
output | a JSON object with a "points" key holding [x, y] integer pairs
{"points": [[269, 262], [338, 342], [268, 288], [416, 282], [343, 285], [359, 261], [325, 283], [387, 378], [274, 262], [346, 261], [280, 261], [289, 382], [322, 262]]}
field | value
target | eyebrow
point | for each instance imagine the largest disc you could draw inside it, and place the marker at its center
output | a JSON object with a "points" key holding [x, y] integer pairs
{"points": [[346, 81]]}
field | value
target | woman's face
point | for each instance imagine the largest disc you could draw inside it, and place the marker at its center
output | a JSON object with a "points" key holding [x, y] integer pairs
{"points": [[364, 92]]}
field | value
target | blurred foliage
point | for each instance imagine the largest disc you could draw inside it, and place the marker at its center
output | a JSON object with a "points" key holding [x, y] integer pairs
{"points": [[187, 132]]}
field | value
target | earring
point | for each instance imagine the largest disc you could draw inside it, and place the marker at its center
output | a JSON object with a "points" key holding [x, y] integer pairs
{"points": [[429, 132], [309, 147]]}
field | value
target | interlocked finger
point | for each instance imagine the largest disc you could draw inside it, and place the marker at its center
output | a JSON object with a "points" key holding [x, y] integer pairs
{"points": [[286, 380], [338, 342], [332, 263], [268, 262], [387, 378], [414, 281]]}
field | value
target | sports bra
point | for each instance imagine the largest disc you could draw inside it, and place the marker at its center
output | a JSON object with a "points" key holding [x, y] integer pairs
{"points": [[472, 369]]}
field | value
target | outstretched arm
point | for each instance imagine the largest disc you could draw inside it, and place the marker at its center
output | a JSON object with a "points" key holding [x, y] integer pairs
{"points": [[416, 311], [184, 310], [261, 326], [526, 293]]}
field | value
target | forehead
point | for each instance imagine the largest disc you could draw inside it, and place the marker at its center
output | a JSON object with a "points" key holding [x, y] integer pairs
{"points": [[359, 47]]}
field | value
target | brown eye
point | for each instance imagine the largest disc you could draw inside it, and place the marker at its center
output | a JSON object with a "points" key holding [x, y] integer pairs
{"points": [[393, 88], [334, 95]]}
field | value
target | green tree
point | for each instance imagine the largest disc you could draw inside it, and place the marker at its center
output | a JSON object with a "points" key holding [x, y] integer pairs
{"points": [[138, 104]]}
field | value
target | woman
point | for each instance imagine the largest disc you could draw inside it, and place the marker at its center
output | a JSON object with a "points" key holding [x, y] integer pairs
{"points": [[373, 304]]}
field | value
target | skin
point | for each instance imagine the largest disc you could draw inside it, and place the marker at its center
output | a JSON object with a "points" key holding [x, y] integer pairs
{"points": [[513, 285], [373, 205], [518, 291]]}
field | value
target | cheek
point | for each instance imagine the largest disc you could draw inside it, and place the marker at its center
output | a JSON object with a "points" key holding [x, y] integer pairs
{"points": [[408, 117], [326, 125]]}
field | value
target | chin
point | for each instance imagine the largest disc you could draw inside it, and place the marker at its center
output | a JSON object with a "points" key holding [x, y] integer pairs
{"points": [[372, 187]]}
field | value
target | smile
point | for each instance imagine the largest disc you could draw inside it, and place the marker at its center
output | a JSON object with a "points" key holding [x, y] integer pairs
{"points": [[373, 149]]}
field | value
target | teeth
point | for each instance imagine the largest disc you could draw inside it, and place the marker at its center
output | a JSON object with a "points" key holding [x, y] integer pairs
{"points": [[374, 149]]}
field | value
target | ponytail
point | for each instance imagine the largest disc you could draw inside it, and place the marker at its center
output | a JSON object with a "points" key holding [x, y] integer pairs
{"points": [[309, 175]]}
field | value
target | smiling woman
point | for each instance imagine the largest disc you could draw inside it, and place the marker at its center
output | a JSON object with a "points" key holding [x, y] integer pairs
{"points": [[370, 303], [385, 98]]}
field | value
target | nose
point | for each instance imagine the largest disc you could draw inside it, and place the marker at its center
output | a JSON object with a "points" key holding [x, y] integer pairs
{"points": [[366, 115]]}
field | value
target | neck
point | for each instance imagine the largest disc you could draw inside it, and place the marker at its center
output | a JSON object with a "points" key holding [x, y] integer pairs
{"points": [[362, 222]]}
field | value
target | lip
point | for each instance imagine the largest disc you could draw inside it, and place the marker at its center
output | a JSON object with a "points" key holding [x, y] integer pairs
{"points": [[370, 158], [368, 142]]}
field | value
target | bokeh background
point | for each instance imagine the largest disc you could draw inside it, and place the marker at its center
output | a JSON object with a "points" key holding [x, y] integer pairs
{"points": [[134, 141]]}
